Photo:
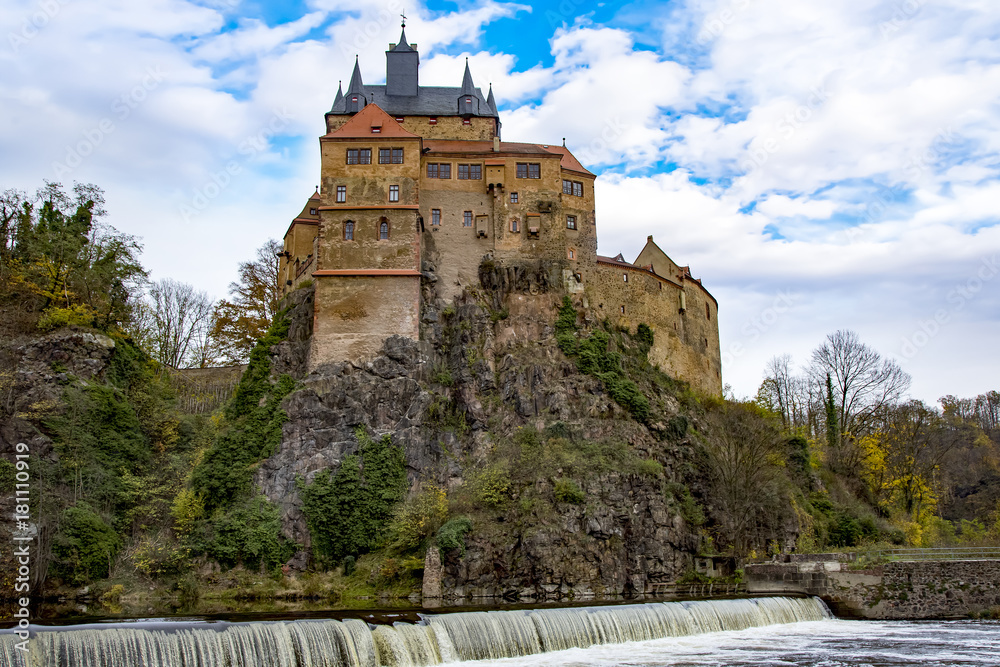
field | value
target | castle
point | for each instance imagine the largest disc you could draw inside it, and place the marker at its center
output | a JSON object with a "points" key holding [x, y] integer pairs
{"points": [[414, 175]]}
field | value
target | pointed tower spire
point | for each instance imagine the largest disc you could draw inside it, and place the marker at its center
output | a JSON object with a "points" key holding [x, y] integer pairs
{"points": [[356, 85], [468, 88], [491, 102], [356, 90], [468, 101], [402, 45], [338, 101]]}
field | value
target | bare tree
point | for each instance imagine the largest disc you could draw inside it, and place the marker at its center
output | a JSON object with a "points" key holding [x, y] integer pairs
{"points": [[863, 384], [743, 448], [787, 392], [179, 316]]}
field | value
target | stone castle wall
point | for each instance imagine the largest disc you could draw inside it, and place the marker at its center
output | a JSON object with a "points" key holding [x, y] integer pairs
{"points": [[686, 343]]}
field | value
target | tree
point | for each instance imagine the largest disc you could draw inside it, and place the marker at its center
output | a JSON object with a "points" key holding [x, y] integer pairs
{"points": [[243, 319], [832, 422], [58, 256], [785, 392], [178, 315], [743, 446], [862, 384]]}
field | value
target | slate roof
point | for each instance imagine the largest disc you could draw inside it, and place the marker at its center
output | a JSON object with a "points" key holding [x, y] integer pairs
{"points": [[430, 101]]}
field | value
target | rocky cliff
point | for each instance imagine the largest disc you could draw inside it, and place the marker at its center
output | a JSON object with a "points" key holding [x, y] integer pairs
{"points": [[488, 374]]}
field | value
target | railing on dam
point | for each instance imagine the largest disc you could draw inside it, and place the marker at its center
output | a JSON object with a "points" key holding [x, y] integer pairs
{"points": [[943, 553]]}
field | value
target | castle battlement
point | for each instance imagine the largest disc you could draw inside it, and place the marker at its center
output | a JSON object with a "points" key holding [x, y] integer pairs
{"points": [[411, 174]]}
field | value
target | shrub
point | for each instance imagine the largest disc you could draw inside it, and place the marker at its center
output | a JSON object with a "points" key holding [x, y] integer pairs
{"points": [[350, 564], [491, 485], [54, 317], [187, 509], [677, 427], [644, 335], [687, 506], [85, 546], [649, 468], [452, 534], [567, 491], [249, 533], [565, 327], [348, 511], [419, 517]]}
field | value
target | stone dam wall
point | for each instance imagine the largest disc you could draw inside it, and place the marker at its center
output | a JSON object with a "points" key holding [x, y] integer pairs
{"points": [[904, 590]]}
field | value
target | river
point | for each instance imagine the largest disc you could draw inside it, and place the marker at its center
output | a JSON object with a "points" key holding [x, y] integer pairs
{"points": [[832, 643]]}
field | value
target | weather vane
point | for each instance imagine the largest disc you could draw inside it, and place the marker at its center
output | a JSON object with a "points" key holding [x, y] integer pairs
{"points": [[404, 19]]}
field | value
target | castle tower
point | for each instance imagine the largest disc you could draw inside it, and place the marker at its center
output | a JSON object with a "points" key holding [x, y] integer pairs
{"points": [[402, 63]]}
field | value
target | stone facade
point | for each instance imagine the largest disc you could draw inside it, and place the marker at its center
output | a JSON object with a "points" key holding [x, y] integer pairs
{"points": [[416, 179], [907, 590]]}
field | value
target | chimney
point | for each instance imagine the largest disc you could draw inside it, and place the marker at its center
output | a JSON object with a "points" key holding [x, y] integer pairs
{"points": [[496, 144]]}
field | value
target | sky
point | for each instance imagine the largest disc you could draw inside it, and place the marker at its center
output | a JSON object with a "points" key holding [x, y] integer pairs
{"points": [[819, 165]]}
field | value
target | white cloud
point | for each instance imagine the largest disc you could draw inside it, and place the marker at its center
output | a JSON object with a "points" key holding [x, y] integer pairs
{"points": [[867, 135]]}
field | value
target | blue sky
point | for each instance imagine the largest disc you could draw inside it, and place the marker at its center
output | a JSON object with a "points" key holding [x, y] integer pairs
{"points": [[818, 165]]}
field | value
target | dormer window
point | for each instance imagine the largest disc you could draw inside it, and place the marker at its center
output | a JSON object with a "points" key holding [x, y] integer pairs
{"points": [[312, 211], [399, 119], [433, 120], [376, 129], [466, 121]]}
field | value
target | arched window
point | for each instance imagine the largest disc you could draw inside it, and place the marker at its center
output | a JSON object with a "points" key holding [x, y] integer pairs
{"points": [[514, 226], [383, 230], [349, 230], [571, 253]]}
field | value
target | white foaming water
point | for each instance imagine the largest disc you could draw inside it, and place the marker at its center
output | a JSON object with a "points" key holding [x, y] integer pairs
{"points": [[443, 638], [828, 643]]}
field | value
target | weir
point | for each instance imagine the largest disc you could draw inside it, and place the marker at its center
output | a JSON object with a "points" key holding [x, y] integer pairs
{"points": [[438, 639]]}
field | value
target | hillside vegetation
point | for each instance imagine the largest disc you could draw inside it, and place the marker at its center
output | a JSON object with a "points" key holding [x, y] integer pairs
{"points": [[562, 465]]}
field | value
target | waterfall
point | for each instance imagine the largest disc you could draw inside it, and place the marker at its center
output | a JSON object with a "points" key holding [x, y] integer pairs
{"points": [[438, 639]]}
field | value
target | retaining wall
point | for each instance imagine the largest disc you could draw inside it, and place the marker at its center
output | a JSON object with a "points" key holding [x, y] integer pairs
{"points": [[898, 590]]}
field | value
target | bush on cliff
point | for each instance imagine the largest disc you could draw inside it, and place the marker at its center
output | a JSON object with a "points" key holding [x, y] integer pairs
{"points": [[347, 511], [595, 355], [252, 427]]}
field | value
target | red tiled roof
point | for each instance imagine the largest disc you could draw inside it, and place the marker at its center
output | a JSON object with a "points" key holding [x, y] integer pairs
{"points": [[361, 124], [568, 160]]}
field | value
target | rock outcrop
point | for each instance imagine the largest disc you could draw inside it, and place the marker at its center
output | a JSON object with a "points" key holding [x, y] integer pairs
{"points": [[483, 369]]}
